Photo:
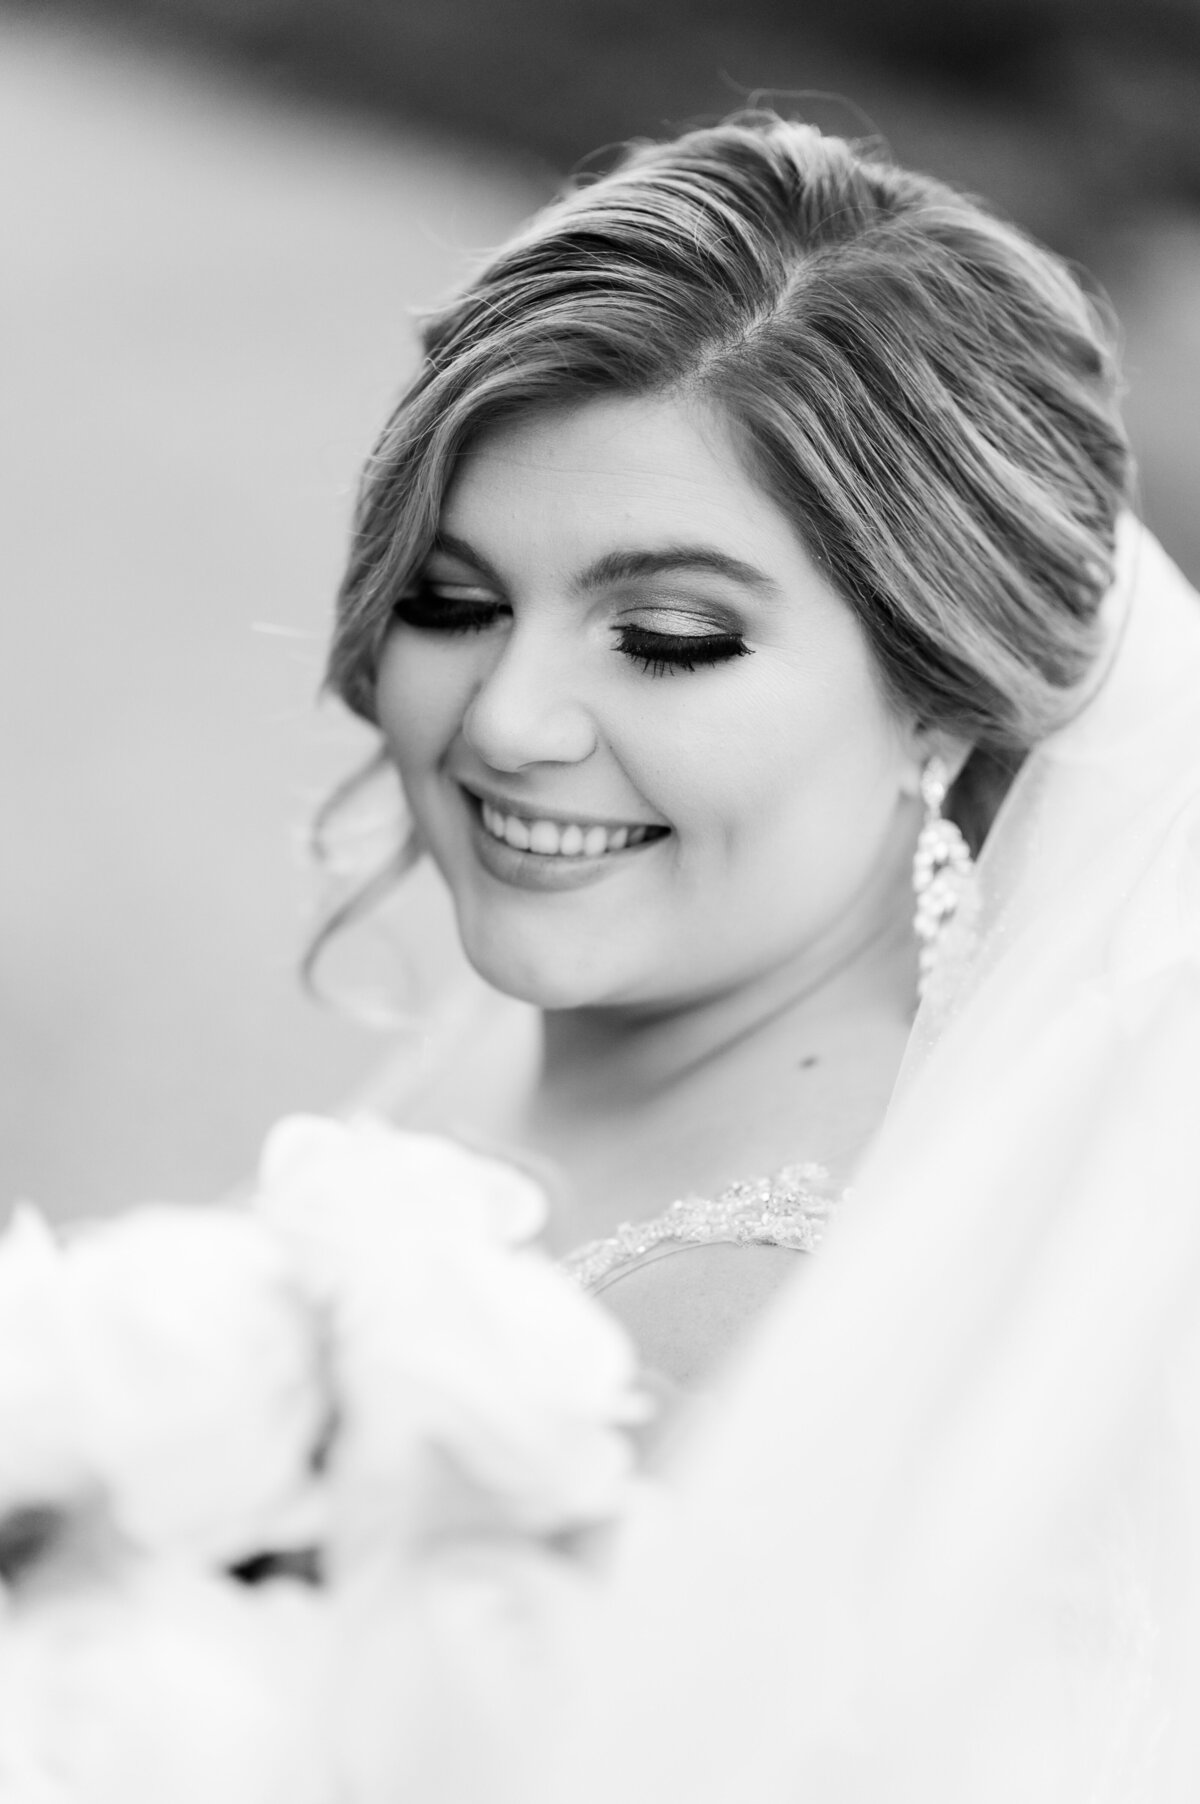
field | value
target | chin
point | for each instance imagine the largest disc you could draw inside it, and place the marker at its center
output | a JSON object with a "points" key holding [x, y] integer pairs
{"points": [[533, 974]]}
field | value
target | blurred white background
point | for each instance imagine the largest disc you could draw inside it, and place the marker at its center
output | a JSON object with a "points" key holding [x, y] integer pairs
{"points": [[204, 314]]}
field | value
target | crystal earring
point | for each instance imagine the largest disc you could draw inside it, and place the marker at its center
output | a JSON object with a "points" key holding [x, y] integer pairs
{"points": [[943, 872]]}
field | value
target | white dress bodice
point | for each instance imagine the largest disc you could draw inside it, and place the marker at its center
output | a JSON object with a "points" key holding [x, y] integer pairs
{"points": [[790, 1209]]}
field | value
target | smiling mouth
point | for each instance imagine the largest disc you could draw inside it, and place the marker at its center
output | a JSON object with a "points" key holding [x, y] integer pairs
{"points": [[550, 838]]}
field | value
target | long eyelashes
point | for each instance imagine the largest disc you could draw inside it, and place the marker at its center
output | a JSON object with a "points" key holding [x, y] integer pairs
{"points": [[659, 654], [435, 612], [662, 653]]}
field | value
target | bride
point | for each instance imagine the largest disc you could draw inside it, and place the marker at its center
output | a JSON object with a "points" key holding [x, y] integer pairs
{"points": [[750, 517], [747, 594]]}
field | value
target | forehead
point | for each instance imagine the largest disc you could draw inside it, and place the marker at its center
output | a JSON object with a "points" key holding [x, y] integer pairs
{"points": [[634, 470]]}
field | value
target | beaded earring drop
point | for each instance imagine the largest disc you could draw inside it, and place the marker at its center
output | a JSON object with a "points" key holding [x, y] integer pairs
{"points": [[943, 871]]}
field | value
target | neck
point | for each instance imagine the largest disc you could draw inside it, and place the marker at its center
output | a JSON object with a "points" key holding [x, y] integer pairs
{"points": [[628, 1058]]}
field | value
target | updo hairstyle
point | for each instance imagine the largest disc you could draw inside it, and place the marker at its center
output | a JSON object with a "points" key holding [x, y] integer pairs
{"points": [[928, 396]]}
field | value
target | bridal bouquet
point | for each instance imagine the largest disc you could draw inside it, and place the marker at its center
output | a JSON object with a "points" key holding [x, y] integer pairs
{"points": [[298, 1501]]}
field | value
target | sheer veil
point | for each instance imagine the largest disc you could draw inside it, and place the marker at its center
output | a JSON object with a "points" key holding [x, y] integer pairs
{"points": [[939, 1536]]}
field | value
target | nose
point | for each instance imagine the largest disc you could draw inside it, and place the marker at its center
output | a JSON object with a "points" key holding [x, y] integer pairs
{"points": [[528, 708]]}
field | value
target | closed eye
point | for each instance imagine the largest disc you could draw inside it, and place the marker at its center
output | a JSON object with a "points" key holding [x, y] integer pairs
{"points": [[456, 608], [662, 653], [448, 608]]}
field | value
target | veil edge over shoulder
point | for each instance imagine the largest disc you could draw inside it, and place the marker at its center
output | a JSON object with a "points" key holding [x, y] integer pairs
{"points": [[939, 1537]]}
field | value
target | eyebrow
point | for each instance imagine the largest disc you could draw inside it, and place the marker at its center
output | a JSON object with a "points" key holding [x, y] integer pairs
{"points": [[621, 566], [626, 565]]}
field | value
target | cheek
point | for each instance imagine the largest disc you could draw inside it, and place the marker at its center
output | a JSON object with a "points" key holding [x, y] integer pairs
{"points": [[421, 694], [788, 763]]}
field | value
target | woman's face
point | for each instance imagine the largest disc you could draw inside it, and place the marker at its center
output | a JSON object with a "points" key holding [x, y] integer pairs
{"points": [[642, 736]]}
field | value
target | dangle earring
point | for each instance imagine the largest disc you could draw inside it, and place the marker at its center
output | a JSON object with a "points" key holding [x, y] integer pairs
{"points": [[943, 874]]}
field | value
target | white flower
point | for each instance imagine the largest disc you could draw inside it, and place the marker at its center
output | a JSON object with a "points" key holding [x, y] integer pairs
{"points": [[42, 1454], [381, 1181], [477, 1384], [448, 1668], [152, 1683], [169, 1383], [199, 1373]]}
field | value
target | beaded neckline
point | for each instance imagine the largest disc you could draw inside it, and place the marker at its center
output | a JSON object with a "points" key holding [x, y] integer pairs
{"points": [[790, 1208]]}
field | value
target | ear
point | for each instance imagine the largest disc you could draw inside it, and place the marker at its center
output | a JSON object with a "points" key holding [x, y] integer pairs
{"points": [[921, 743]]}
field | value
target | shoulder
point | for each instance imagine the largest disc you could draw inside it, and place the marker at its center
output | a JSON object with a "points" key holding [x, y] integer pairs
{"points": [[687, 1307]]}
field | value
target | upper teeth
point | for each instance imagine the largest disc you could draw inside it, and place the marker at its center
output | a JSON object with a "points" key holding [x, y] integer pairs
{"points": [[555, 839]]}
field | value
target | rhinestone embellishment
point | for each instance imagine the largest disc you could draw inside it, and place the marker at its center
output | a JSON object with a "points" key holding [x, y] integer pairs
{"points": [[943, 874], [788, 1209]]}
